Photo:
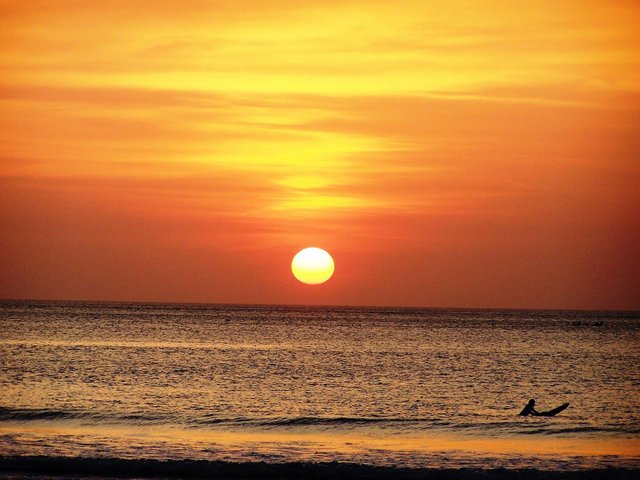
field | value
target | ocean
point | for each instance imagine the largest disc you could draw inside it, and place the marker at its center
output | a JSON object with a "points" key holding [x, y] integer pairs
{"points": [[379, 387]]}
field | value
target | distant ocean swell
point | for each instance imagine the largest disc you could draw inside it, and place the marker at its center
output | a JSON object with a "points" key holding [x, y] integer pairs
{"points": [[148, 468], [516, 426]]}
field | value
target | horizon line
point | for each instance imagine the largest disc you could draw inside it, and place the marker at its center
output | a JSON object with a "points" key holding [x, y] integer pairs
{"points": [[380, 307]]}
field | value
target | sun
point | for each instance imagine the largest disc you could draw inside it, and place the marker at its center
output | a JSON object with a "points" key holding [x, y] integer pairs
{"points": [[312, 266]]}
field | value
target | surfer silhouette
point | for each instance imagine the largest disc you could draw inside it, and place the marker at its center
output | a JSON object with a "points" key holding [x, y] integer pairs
{"points": [[529, 409]]}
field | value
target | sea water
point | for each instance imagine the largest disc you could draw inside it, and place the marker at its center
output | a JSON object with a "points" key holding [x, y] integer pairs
{"points": [[378, 386]]}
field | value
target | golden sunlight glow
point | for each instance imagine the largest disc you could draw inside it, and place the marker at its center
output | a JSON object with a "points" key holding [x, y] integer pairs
{"points": [[215, 136], [312, 266]]}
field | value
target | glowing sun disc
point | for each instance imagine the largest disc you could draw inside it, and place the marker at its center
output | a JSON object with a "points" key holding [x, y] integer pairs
{"points": [[312, 266]]}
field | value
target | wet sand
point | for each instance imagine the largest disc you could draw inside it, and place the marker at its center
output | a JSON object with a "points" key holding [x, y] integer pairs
{"points": [[65, 467], [316, 446]]}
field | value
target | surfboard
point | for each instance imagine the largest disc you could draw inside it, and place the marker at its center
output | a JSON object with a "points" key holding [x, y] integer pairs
{"points": [[555, 411]]}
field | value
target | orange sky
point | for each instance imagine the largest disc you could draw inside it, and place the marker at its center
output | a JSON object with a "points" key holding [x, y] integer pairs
{"points": [[470, 153]]}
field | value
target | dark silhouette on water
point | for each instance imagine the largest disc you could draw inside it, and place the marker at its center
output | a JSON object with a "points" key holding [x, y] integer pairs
{"points": [[529, 409]]}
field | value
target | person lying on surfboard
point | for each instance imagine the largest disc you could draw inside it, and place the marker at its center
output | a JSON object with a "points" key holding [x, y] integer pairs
{"points": [[529, 409]]}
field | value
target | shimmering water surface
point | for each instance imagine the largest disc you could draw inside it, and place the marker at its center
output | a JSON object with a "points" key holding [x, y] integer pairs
{"points": [[406, 387]]}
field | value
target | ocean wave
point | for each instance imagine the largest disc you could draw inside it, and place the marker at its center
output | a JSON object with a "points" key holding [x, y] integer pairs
{"points": [[400, 423], [27, 414], [589, 429], [52, 414], [344, 421], [324, 421], [148, 468], [35, 414]]}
